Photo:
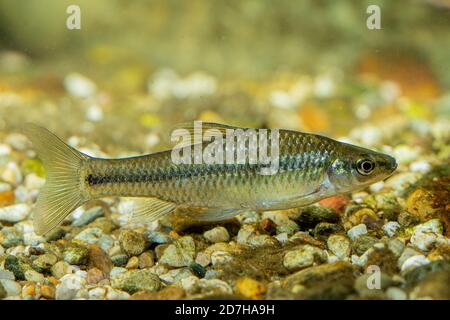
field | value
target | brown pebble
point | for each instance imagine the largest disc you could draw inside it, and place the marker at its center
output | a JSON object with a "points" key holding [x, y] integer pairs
{"points": [[48, 292], [146, 260], [420, 203], [94, 276], [132, 263], [99, 259], [268, 226]]}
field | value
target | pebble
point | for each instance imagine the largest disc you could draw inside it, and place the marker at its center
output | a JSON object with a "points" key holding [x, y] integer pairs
{"points": [[421, 166], [220, 257], [390, 228], [176, 275], [94, 276], [420, 203], [99, 259], [136, 280], [79, 86], [304, 257], [250, 288], [10, 237], [218, 234], [146, 260], [119, 260], [11, 174], [14, 213], [414, 262], [179, 254], [132, 263], [7, 275], [60, 269], [94, 113], [283, 224], [339, 245], [48, 292], [132, 243], [396, 246], [363, 243], [117, 270], [75, 254], [394, 293], [3, 292], [69, 287], [98, 293], [114, 294], [11, 287], [425, 235], [96, 236], [203, 259], [89, 216], [357, 231], [31, 275]]}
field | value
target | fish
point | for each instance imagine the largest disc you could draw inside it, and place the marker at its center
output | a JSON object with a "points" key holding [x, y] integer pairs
{"points": [[309, 167]]}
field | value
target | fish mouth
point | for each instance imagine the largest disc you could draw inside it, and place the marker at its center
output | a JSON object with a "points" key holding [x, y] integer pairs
{"points": [[394, 163], [391, 165]]}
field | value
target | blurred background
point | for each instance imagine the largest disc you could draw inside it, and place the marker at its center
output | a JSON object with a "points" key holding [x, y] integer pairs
{"points": [[136, 68]]}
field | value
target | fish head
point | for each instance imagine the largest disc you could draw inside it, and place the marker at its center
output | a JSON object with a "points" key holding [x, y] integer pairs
{"points": [[355, 168]]}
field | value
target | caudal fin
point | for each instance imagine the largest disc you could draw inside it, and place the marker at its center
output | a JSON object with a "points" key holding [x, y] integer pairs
{"points": [[62, 192]]}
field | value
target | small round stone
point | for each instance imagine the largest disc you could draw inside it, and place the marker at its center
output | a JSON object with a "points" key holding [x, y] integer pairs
{"points": [[218, 234]]}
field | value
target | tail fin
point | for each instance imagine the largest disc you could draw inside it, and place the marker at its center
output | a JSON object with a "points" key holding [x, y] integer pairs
{"points": [[62, 192]]}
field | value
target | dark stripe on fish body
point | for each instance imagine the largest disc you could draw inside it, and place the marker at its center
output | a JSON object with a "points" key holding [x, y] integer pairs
{"points": [[287, 163]]}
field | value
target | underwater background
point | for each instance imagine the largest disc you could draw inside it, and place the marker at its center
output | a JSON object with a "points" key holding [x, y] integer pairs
{"points": [[119, 84]]}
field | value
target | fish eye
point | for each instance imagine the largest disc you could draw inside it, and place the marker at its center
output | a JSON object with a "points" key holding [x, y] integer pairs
{"points": [[365, 166]]}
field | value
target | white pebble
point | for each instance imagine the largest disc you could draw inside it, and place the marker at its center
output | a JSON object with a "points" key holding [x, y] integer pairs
{"points": [[79, 86], [394, 293], [282, 237], [69, 286], [218, 234], [5, 187], [282, 99], [220, 257], [357, 231], [405, 153], [116, 271], [414, 262], [15, 212], [97, 293], [12, 288], [421, 166], [391, 228], [5, 150], [114, 294], [94, 113], [12, 173]]}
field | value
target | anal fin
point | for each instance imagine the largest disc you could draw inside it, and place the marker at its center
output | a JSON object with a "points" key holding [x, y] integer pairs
{"points": [[213, 214], [150, 209]]}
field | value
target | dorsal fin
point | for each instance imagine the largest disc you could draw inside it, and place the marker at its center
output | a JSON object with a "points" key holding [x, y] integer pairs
{"points": [[150, 209], [208, 130]]}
